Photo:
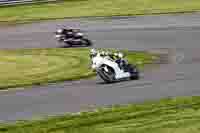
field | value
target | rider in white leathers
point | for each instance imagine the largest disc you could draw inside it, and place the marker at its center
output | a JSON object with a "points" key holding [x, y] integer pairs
{"points": [[118, 57]]}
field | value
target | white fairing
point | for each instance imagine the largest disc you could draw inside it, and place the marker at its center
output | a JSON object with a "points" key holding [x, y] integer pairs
{"points": [[97, 61]]}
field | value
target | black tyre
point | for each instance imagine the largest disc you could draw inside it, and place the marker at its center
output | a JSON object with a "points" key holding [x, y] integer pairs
{"points": [[67, 44], [87, 42], [135, 77], [134, 72], [109, 76]]}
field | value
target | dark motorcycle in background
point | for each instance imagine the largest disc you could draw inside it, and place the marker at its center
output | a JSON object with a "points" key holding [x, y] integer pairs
{"points": [[72, 38]]}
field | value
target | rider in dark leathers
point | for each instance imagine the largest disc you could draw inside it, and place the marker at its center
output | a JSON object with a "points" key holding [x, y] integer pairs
{"points": [[67, 32], [118, 57], [121, 61]]}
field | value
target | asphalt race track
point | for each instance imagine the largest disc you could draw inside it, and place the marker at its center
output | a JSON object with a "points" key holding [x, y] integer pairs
{"points": [[179, 35]]}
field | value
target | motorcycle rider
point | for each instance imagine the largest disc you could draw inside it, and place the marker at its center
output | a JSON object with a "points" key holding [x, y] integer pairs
{"points": [[70, 33], [120, 60], [118, 57], [67, 32]]}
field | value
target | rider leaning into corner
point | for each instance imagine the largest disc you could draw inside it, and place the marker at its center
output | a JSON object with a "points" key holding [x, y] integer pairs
{"points": [[117, 56], [121, 61], [68, 32]]}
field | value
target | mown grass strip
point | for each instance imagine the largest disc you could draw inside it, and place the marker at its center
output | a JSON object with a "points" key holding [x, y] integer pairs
{"points": [[180, 115], [24, 67], [86, 8]]}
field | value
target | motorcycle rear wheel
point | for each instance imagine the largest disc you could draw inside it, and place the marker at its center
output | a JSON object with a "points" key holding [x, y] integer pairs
{"points": [[134, 72]]}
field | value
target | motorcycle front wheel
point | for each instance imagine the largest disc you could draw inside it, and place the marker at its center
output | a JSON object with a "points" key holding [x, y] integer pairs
{"points": [[67, 44], [87, 42], [107, 74]]}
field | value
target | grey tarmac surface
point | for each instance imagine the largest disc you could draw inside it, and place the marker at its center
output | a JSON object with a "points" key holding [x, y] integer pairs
{"points": [[177, 34]]}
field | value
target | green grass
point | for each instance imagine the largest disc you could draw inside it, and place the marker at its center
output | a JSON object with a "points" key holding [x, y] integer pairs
{"points": [[23, 67], [81, 8], [172, 115]]}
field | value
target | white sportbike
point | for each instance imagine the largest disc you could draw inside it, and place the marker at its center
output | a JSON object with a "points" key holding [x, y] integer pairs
{"points": [[110, 71]]}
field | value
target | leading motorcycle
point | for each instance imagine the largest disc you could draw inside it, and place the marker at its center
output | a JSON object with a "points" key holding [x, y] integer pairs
{"points": [[72, 38]]}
